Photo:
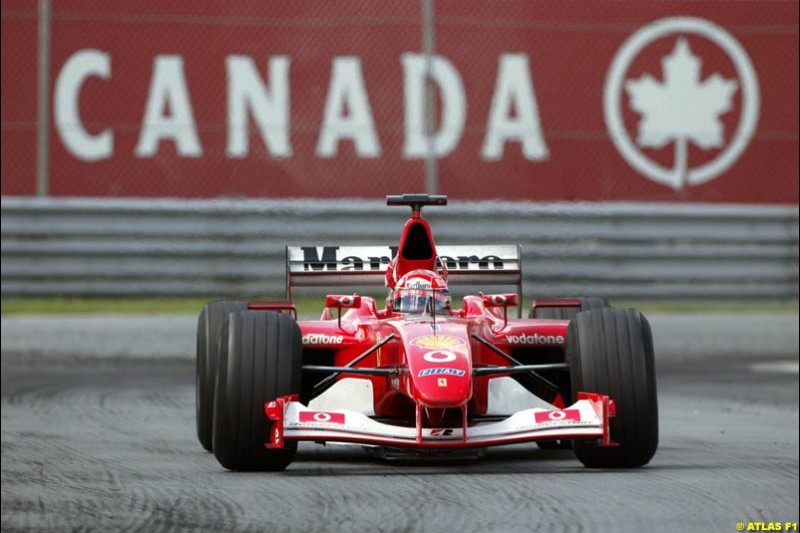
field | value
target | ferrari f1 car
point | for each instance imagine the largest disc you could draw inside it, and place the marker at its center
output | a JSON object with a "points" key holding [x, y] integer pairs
{"points": [[421, 375]]}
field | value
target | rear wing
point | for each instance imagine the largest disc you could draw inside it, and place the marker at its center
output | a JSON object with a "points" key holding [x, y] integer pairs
{"points": [[329, 266]]}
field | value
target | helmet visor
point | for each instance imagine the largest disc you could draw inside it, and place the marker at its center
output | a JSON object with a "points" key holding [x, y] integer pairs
{"points": [[419, 301]]}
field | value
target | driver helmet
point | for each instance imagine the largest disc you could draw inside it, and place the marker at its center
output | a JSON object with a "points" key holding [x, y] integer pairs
{"points": [[420, 291]]}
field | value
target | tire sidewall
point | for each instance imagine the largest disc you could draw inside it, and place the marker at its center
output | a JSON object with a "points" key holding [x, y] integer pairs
{"points": [[610, 351], [209, 325], [261, 360]]}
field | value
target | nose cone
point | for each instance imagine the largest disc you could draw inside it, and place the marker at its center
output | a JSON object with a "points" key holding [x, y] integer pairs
{"points": [[441, 367]]}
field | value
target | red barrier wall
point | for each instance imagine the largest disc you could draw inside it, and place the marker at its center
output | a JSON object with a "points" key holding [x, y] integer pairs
{"points": [[705, 106]]}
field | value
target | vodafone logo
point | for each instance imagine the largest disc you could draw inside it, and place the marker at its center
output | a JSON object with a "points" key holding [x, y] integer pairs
{"points": [[686, 114], [440, 356], [321, 338], [321, 416], [542, 417], [535, 338]]}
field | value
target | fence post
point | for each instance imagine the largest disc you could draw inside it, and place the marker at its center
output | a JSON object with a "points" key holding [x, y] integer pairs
{"points": [[43, 102], [429, 49]]}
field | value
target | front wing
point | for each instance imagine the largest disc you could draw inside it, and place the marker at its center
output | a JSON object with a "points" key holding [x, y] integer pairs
{"points": [[587, 418]]}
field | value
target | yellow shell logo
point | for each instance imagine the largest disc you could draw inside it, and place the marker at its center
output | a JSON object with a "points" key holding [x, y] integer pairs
{"points": [[437, 341]]}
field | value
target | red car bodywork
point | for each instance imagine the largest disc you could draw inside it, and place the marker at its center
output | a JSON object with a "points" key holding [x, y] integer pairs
{"points": [[430, 375]]}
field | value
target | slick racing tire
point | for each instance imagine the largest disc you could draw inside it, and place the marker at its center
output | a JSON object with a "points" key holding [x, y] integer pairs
{"points": [[610, 351], [208, 327], [261, 359], [565, 313]]}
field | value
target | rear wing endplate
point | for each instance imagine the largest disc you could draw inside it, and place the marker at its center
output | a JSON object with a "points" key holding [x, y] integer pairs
{"points": [[330, 266]]}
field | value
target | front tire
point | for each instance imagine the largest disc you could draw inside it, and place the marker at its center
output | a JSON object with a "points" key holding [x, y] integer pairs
{"points": [[261, 360], [208, 328], [610, 351], [565, 313]]}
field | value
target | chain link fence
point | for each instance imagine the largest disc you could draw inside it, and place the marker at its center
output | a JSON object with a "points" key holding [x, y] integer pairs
{"points": [[536, 101]]}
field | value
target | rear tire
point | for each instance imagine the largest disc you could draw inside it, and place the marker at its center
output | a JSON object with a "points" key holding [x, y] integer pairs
{"points": [[208, 327], [610, 351], [261, 360], [567, 313]]}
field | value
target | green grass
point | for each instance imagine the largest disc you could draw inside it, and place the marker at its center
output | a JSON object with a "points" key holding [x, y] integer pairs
{"points": [[57, 305], [130, 305], [313, 305], [709, 307]]}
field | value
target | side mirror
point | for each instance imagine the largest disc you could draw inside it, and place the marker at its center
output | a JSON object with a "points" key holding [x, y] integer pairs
{"points": [[500, 300], [342, 301]]}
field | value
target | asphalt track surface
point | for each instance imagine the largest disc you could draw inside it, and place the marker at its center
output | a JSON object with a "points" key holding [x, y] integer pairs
{"points": [[98, 434]]}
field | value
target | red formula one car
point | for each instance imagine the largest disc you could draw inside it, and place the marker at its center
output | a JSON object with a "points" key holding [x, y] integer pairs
{"points": [[422, 376]]}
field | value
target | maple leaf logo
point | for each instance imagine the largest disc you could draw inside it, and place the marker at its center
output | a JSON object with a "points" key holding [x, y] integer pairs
{"points": [[682, 108]]}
